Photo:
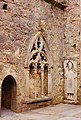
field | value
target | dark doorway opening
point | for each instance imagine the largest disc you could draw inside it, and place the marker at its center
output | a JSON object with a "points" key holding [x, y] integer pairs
{"points": [[8, 98]]}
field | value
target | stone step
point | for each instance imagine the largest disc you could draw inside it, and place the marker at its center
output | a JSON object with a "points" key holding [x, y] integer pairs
{"points": [[75, 102]]}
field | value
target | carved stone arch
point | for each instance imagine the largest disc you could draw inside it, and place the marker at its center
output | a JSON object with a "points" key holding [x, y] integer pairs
{"points": [[47, 55], [39, 68], [9, 93], [14, 77]]}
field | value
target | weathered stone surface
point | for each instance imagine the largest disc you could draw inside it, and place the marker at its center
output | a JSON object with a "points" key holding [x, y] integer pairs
{"points": [[20, 23]]}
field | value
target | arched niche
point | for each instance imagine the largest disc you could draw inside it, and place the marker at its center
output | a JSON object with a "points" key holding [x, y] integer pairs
{"points": [[9, 93]]}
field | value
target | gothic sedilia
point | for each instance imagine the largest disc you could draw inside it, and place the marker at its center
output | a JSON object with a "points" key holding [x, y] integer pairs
{"points": [[40, 79]]}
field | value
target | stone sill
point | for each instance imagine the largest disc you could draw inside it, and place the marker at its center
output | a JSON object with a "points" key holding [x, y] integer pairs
{"points": [[37, 100], [71, 102]]}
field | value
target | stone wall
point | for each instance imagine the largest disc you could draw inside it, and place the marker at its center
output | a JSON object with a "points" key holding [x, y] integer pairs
{"points": [[71, 43], [19, 23]]}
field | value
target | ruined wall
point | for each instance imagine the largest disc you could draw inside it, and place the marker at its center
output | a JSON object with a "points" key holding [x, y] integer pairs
{"points": [[71, 50], [61, 1], [19, 22]]}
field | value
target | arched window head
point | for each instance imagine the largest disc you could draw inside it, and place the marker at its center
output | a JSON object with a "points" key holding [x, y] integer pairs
{"points": [[38, 53]]}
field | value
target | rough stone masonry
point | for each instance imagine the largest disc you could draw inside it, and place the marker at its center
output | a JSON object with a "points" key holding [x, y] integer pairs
{"points": [[40, 53]]}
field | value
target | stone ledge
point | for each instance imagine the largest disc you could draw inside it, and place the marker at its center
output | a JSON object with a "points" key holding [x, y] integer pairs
{"points": [[37, 100], [53, 2], [30, 104], [75, 102]]}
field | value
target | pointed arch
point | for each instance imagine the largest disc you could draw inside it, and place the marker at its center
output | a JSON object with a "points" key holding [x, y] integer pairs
{"points": [[39, 67], [47, 54]]}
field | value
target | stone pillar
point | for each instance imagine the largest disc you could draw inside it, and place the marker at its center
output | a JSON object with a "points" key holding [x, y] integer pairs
{"points": [[27, 82], [49, 82], [42, 82], [35, 71]]}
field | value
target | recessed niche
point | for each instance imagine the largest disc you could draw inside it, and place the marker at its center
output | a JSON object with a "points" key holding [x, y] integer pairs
{"points": [[38, 70], [5, 6]]}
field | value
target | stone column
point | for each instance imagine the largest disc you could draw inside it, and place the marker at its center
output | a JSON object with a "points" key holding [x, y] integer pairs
{"points": [[65, 87], [42, 81], [49, 82], [35, 72], [27, 82]]}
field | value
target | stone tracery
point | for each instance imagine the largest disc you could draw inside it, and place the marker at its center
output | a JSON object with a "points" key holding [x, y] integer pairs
{"points": [[38, 70]]}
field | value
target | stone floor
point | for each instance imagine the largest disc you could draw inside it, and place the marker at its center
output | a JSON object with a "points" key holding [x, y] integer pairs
{"points": [[56, 112]]}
